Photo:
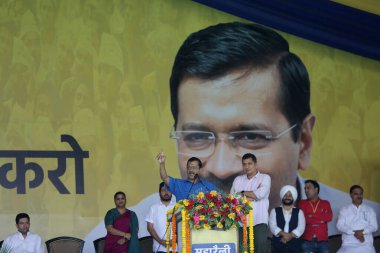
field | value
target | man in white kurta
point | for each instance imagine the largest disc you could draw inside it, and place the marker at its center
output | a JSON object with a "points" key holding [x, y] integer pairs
{"points": [[23, 241], [357, 222], [156, 219]]}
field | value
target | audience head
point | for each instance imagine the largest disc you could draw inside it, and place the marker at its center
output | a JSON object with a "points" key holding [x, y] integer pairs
{"points": [[22, 223], [356, 193], [288, 195], [165, 195], [120, 199], [311, 189]]}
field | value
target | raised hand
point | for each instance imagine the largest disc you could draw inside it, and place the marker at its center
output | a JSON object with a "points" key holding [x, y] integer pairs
{"points": [[161, 157]]}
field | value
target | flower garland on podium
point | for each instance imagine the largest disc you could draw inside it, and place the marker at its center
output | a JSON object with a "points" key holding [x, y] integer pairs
{"points": [[213, 210], [251, 235]]}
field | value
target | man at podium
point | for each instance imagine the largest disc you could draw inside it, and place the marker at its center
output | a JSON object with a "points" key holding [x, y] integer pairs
{"points": [[183, 188]]}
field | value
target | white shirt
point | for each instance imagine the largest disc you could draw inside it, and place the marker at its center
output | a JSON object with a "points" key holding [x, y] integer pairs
{"points": [[356, 218], [260, 185], [157, 216], [298, 231], [32, 243]]}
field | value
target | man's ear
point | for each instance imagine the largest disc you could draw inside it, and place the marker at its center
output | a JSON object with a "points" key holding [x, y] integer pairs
{"points": [[306, 141]]}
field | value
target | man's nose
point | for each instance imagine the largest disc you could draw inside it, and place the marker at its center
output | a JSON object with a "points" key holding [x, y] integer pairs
{"points": [[223, 163]]}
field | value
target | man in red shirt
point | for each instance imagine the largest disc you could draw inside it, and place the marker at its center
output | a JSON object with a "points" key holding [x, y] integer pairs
{"points": [[317, 214]]}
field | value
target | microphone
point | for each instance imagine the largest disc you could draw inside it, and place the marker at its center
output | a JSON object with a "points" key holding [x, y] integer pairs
{"points": [[200, 180]]}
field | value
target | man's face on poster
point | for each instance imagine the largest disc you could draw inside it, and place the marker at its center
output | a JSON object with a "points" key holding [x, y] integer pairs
{"points": [[239, 109]]}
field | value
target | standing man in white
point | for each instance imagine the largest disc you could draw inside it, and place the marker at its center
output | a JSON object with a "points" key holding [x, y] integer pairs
{"points": [[156, 219], [256, 187]]}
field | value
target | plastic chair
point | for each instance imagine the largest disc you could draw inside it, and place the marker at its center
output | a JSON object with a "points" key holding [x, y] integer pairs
{"points": [[99, 245], [335, 241], [146, 244], [65, 244], [376, 243]]}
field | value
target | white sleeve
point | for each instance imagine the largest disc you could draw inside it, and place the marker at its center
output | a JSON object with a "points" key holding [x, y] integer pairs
{"points": [[264, 188], [6, 243], [150, 215], [342, 224], [273, 223], [40, 246], [233, 190], [372, 224], [298, 231]]}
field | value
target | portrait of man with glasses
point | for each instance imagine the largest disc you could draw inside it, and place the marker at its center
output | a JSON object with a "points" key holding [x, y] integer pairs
{"points": [[235, 89]]}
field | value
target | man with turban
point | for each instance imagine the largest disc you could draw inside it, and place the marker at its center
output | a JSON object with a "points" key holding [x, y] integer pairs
{"points": [[287, 223]]}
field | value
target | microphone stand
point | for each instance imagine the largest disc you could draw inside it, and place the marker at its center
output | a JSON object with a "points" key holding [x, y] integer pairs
{"points": [[192, 184], [200, 180]]}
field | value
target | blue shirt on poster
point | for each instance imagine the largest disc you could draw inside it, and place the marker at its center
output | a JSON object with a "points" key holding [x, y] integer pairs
{"points": [[182, 189]]}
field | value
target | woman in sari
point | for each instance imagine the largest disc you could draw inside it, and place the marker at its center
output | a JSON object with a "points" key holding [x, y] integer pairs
{"points": [[122, 228]]}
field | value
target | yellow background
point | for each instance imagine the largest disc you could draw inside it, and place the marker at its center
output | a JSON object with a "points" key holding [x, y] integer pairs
{"points": [[99, 70], [372, 6]]}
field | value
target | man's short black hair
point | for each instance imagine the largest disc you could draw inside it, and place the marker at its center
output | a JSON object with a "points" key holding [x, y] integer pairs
{"points": [[162, 184], [220, 49], [355, 186], [248, 156], [314, 183], [21, 216], [191, 159]]}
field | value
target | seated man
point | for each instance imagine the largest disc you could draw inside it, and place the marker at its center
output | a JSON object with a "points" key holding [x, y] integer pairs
{"points": [[357, 222], [287, 223], [23, 241]]}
